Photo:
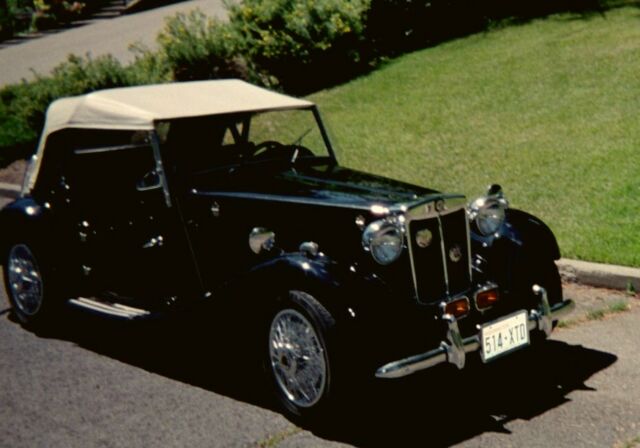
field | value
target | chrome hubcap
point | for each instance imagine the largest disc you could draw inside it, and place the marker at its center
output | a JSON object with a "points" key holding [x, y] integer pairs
{"points": [[297, 358], [25, 281]]}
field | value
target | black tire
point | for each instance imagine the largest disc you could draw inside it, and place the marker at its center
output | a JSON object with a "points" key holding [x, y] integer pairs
{"points": [[29, 284], [313, 391]]}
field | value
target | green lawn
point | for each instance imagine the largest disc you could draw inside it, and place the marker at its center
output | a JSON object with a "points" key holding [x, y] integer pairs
{"points": [[550, 110]]}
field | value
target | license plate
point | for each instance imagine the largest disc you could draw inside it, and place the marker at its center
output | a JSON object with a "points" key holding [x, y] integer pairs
{"points": [[505, 335]]}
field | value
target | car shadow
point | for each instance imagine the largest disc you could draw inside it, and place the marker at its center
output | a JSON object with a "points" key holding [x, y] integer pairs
{"points": [[444, 406], [448, 406]]}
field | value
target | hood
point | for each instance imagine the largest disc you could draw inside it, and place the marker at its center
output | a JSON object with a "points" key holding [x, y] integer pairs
{"points": [[324, 184]]}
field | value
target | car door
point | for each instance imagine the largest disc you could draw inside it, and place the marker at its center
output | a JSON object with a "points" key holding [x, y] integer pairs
{"points": [[128, 236]]}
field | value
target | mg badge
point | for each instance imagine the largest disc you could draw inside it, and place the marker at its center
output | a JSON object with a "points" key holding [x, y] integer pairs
{"points": [[455, 253], [424, 238], [440, 207]]}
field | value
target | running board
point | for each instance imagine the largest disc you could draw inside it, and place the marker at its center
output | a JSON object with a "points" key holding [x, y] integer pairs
{"points": [[110, 309]]}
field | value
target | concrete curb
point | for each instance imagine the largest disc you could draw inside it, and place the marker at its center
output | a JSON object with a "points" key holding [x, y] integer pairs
{"points": [[9, 190], [592, 274], [599, 275]]}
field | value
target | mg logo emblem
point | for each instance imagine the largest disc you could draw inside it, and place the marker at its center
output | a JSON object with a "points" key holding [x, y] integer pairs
{"points": [[440, 205], [455, 253], [424, 238]]}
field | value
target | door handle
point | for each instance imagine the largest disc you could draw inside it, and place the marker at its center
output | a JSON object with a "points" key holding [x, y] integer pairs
{"points": [[156, 241]]}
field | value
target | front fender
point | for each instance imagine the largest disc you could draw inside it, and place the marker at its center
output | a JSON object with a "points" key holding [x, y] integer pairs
{"points": [[532, 233], [523, 246], [345, 291]]}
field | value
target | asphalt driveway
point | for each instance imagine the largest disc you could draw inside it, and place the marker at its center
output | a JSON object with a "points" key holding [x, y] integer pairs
{"points": [[112, 35]]}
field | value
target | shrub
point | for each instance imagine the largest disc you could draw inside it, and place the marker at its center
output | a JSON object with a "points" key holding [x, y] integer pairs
{"points": [[6, 23], [23, 106], [301, 44], [53, 13], [198, 47]]}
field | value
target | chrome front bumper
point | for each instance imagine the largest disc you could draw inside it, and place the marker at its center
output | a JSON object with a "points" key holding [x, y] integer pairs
{"points": [[454, 349]]}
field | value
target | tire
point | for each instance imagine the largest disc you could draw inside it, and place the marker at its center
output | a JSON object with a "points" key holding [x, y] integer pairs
{"points": [[26, 280], [298, 357]]}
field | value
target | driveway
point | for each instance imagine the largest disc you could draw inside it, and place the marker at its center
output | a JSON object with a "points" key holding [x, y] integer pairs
{"points": [[113, 36], [96, 383]]}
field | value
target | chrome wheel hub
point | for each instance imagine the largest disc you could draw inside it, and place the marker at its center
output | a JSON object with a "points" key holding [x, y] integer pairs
{"points": [[25, 281], [297, 358]]}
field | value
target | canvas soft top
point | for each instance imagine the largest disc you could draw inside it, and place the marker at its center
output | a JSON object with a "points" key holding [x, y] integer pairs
{"points": [[140, 107]]}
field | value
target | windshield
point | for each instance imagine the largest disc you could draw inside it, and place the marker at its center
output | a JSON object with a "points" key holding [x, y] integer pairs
{"points": [[206, 143]]}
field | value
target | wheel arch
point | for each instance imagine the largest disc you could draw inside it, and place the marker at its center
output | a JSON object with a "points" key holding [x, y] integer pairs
{"points": [[347, 295], [533, 234], [22, 218]]}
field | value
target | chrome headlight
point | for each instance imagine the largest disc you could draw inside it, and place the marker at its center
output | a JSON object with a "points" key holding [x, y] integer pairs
{"points": [[384, 239], [488, 212]]}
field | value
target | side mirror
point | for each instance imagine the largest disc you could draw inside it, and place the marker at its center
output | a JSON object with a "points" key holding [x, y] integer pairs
{"points": [[150, 181]]}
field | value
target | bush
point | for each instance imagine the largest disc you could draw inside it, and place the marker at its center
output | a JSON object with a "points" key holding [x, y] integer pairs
{"points": [[301, 44], [53, 13], [6, 22], [198, 47], [23, 106], [397, 26]]}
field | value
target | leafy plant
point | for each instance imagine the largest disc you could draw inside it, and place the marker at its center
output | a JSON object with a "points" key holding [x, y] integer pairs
{"points": [[301, 45], [198, 47]]}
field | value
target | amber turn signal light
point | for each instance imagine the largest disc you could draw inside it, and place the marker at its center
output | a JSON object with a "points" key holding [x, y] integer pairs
{"points": [[457, 308], [487, 298]]}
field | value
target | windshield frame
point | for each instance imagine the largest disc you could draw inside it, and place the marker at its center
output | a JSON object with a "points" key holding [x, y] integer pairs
{"points": [[239, 128]]}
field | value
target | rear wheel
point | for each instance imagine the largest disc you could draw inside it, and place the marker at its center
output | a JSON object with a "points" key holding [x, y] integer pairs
{"points": [[30, 297]]}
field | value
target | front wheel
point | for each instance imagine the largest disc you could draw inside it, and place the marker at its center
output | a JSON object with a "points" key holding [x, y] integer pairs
{"points": [[298, 360], [25, 284]]}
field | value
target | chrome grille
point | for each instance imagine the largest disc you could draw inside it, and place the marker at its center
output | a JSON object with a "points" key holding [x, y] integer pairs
{"points": [[441, 269]]}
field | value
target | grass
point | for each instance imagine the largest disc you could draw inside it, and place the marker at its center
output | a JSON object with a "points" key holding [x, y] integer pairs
{"points": [[276, 439], [630, 443], [547, 109], [617, 307]]}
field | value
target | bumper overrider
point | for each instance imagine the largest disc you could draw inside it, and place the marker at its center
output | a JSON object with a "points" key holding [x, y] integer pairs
{"points": [[454, 348]]}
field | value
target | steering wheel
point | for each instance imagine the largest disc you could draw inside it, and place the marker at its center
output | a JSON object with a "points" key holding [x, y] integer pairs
{"points": [[276, 150], [266, 148]]}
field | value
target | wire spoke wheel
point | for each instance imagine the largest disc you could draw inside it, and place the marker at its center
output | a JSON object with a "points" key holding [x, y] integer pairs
{"points": [[25, 280], [297, 357]]}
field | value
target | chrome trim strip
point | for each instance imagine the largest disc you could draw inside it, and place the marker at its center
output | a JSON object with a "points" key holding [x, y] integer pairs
{"points": [[273, 197], [468, 227], [455, 348], [443, 252], [103, 149], [155, 144], [112, 309]]}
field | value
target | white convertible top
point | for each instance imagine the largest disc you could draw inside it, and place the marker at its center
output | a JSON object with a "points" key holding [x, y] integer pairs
{"points": [[140, 107]]}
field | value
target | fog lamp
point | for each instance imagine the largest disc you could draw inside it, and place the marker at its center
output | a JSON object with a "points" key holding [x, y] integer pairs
{"points": [[486, 298], [457, 308]]}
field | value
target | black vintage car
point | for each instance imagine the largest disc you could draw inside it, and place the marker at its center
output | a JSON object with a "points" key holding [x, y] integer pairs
{"points": [[144, 200]]}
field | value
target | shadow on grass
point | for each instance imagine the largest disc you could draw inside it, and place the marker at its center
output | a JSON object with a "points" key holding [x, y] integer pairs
{"points": [[440, 407]]}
